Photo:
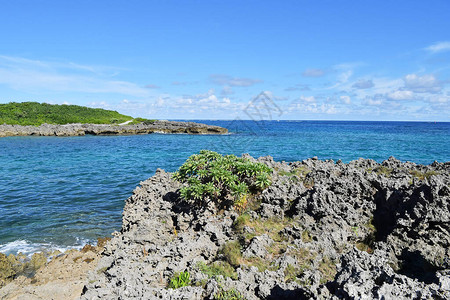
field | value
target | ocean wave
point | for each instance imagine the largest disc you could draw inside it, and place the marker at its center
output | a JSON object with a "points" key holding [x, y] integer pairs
{"points": [[28, 248]]}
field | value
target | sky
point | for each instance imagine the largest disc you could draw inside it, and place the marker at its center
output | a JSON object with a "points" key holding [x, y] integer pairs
{"points": [[314, 60]]}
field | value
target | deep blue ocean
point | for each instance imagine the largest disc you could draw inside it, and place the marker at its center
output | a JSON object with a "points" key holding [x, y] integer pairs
{"points": [[60, 192]]}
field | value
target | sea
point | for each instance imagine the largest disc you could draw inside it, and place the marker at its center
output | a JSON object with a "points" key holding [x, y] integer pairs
{"points": [[64, 192]]}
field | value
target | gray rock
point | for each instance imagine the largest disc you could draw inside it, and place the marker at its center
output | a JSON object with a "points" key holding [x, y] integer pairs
{"points": [[398, 212], [159, 126], [258, 247]]}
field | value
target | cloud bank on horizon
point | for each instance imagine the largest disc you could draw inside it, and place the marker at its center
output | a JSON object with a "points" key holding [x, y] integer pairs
{"points": [[207, 60]]}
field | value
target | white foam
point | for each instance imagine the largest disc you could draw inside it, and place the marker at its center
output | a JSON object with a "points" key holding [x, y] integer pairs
{"points": [[29, 248]]}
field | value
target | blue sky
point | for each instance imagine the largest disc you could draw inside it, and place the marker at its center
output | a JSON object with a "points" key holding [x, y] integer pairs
{"points": [[318, 60]]}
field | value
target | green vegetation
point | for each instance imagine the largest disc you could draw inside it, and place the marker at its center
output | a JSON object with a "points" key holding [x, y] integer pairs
{"points": [[381, 170], [281, 246], [34, 113], [327, 269], [270, 226], [366, 243], [230, 294], [296, 174], [299, 175], [180, 280], [306, 236], [246, 228], [261, 264], [291, 273], [423, 175], [218, 268], [142, 120], [224, 180], [231, 251]]}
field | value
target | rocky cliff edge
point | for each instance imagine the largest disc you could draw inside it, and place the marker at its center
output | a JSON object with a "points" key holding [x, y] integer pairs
{"points": [[97, 129], [323, 230]]}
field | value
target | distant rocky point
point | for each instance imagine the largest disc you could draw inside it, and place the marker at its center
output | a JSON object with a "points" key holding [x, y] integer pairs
{"points": [[158, 126]]}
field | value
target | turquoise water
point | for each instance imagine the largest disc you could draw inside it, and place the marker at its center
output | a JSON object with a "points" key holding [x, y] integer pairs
{"points": [[63, 192]]}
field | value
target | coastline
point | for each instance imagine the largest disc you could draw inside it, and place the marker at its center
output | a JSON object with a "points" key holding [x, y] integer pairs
{"points": [[342, 230], [159, 126]]}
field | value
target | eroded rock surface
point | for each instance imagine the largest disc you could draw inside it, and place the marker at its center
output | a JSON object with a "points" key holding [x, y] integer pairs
{"points": [[323, 230], [62, 278], [96, 129]]}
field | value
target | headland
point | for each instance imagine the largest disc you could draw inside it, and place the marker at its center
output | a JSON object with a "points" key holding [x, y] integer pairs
{"points": [[321, 230]]}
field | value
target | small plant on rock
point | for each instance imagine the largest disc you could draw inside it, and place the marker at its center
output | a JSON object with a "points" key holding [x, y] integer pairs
{"points": [[232, 253], [291, 273], [327, 268], [180, 280], [383, 171], [224, 180], [422, 175], [217, 268], [231, 294]]}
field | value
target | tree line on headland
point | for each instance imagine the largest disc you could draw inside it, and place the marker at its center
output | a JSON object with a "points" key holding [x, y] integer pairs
{"points": [[34, 113]]}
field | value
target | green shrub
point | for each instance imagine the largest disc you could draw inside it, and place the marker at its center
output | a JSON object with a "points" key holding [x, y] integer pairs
{"points": [[225, 180], [180, 280]]}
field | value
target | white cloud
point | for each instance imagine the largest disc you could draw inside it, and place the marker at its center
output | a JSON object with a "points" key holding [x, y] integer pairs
{"points": [[227, 90], [310, 99], [37, 76], [422, 84], [344, 77], [101, 104], [439, 47], [363, 84], [345, 99], [204, 102], [160, 102], [312, 108], [374, 102], [401, 95], [439, 99], [152, 86], [233, 81], [328, 109], [183, 101], [298, 87], [313, 73], [209, 99]]}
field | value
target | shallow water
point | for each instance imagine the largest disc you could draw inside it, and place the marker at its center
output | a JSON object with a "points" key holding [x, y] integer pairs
{"points": [[59, 192]]}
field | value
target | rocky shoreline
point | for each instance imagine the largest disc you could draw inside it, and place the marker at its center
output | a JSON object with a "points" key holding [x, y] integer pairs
{"points": [[158, 126], [322, 230]]}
